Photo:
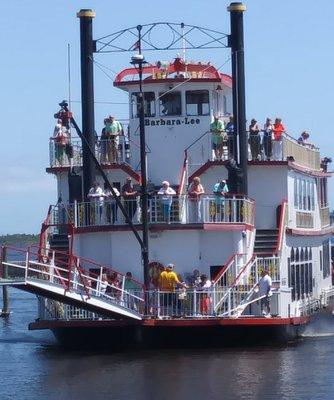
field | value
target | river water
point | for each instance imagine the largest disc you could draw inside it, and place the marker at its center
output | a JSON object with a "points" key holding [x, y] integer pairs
{"points": [[32, 366]]}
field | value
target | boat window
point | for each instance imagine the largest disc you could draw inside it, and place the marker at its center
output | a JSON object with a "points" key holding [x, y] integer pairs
{"points": [[197, 102], [312, 196], [308, 191], [149, 104], [170, 103], [292, 254], [326, 259], [295, 192]]}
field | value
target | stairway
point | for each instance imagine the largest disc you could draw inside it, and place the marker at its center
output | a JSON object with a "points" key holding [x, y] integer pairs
{"points": [[265, 241], [59, 242]]}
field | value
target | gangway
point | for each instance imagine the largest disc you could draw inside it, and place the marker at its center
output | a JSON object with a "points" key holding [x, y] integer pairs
{"points": [[44, 275]]}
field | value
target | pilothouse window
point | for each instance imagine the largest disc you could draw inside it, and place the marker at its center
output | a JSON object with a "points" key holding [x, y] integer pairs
{"points": [[170, 103], [149, 104], [197, 102]]}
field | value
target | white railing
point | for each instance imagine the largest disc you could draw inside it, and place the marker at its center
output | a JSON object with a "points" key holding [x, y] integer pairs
{"points": [[304, 219], [324, 216], [244, 279], [302, 154], [231, 209], [105, 151], [201, 151], [65, 271]]}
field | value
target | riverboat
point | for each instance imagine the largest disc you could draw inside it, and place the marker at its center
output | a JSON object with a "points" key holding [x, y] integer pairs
{"points": [[274, 218]]}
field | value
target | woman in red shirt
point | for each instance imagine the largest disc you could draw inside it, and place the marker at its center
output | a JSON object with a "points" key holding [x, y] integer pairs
{"points": [[278, 130]]}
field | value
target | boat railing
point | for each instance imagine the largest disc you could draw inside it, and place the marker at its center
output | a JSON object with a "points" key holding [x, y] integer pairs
{"points": [[230, 209], [106, 151], [324, 216], [201, 151], [305, 155], [80, 275], [199, 302]]}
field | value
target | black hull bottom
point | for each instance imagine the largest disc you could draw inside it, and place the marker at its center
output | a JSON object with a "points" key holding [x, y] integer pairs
{"points": [[144, 337]]}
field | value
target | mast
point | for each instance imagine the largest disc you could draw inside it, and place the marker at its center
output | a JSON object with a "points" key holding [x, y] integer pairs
{"points": [[236, 42], [87, 96]]}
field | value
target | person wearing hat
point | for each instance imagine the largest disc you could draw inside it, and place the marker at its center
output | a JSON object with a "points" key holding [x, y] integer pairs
{"points": [[166, 194], [129, 195], [219, 190], [168, 282]]}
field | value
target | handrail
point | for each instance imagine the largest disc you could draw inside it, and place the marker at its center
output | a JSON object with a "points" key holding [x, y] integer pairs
{"points": [[225, 267], [284, 204], [82, 260], [196, 140], [183, 173]]}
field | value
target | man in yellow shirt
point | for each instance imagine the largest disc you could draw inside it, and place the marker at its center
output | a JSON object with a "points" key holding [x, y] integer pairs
{"points": [[168, 281]]}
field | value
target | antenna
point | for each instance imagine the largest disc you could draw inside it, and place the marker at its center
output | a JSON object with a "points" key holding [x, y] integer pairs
{"points": [[183, 43], [69, 74]]}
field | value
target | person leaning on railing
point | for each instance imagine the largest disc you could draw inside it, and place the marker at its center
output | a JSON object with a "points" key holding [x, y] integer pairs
{"points": [[219, 190], [129, 195], [166, 194], [278, 130], [194, 195], [168, 282]]}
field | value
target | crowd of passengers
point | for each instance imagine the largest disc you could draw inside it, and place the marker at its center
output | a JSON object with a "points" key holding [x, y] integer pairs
{"points": [[170, 294], [264, 144], [105, 209], [108, 145]]}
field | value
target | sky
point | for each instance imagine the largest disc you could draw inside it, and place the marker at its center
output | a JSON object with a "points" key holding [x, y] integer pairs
{"points": [[289, 58]]}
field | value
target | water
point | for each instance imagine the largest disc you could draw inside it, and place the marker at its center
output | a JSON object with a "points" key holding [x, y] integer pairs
{"points": [[32, 366]]}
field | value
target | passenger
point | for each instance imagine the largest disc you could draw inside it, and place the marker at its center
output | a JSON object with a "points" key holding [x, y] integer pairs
{"points": [[168, 282], [96, 197], [166, 194], [205, 298], [60, 137], [110, 204], [278, 130], [267, 139], [265, 290], [254, 140], [114, 285], [195, 279], [219, 190], [113, 130], [194, 194], [103, 284], [132, 288], [130, 198], [103, 142], [218, 137], [229, 129], [304, 140]]}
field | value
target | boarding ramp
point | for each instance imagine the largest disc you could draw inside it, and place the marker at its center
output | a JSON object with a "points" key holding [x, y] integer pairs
{"points": [[81, 283]]}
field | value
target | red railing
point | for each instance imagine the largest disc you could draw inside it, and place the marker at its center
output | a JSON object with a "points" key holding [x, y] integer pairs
{"points": [[183, 174], [281, 227]]}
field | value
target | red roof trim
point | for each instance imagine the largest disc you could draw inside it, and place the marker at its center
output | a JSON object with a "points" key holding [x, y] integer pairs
{"points": [[167, 80]]}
